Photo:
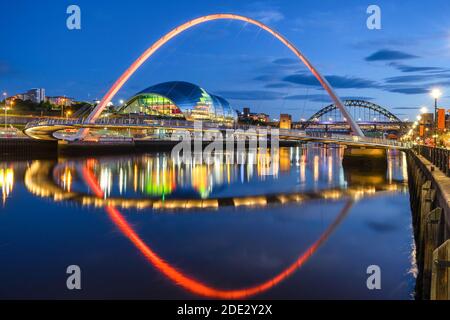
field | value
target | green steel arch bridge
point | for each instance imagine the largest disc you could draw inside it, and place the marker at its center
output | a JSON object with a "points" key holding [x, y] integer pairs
{"points": [[368, 115]]}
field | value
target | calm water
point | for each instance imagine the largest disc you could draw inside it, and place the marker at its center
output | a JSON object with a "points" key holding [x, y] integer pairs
{"points": [[144, 227]]}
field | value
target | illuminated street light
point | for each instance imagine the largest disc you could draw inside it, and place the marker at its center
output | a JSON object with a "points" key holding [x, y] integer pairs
{"points": [[121, 101], [4, 97], [419, 118], [423, 110], [436, 93]]}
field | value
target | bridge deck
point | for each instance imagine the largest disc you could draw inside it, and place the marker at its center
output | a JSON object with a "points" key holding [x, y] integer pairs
{"points": [[47, 130]]}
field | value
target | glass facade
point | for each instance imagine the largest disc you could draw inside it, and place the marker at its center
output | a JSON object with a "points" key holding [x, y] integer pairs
{"points": [[152, 104], [180, 100]]}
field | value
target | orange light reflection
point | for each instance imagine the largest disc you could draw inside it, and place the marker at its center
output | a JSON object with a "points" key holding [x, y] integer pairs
{"points": [[189, 283]]}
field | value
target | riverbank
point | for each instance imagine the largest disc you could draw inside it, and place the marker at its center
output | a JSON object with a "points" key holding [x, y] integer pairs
{"points": [[19, 147], [430, 205], [24, 146]]}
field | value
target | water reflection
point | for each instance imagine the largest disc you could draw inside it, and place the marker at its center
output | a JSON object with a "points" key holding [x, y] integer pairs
{"points": [[196, 286], [158, 176], [153, 182], [6, 182]]}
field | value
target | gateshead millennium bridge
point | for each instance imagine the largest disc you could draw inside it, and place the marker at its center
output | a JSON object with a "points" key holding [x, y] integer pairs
{"points": [[48, 130], [78, 129]]}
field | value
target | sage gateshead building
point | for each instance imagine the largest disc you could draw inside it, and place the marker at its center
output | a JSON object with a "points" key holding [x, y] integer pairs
{"points": [[180, 100]]}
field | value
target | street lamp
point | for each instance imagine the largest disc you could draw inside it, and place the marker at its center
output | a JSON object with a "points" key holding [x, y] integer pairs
{"points": [[436, 94], [423, 110], [4, 99]]}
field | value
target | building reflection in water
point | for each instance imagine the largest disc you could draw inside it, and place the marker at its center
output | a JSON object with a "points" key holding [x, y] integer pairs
{"points": [[6, 182], [159, 176]]}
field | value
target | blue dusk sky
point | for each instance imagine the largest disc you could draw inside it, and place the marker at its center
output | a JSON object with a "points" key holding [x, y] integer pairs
{"points": [[394, 67]]}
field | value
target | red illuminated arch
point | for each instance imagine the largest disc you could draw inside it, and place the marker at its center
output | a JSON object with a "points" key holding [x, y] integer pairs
{"points": [[188, 282], [158, 44]]}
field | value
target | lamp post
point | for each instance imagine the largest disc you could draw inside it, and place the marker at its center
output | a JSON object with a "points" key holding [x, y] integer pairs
{"points": [[4, 99], [436, 94], [63, 104]]}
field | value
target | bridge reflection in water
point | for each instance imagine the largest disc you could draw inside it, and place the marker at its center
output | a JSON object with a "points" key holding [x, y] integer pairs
{"points": [[154, 181]]}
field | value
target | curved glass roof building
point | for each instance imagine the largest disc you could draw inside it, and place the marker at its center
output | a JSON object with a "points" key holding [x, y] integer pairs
{"points": [[179, 99]]}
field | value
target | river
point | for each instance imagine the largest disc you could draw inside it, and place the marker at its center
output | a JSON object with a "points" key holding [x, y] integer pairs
{"points": [[144, 227]]}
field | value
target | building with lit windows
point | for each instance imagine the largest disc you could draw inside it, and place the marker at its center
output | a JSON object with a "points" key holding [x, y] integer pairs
{"points": [[181, 100], [37, 95], [60, 101], [248, 117]]}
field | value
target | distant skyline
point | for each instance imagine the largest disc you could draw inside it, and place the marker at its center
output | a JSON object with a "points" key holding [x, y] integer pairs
{"points": [[394, 67]]}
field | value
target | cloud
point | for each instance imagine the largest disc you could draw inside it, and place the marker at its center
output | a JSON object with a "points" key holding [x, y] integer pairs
{"points": [[409, 90], [278, 85], [268, 16], [407, 68], [357, 98], [251, 95], [350, 82], [407, 79], [248, 95], [303, 79], [310, 97], [286, 61], [264, 12], [406, 108], [323, 97], [387, 55], [339, 82]]}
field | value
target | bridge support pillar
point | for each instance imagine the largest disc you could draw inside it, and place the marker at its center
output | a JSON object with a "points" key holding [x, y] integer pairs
{"points": [[365, 158]]}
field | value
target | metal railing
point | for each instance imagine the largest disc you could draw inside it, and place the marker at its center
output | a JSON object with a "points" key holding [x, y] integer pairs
{"points": [[356, 139], [183, 124], [439, 157]]}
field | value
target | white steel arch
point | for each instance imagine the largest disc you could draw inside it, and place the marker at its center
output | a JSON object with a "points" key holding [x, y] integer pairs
{"points": [[220, 16]]}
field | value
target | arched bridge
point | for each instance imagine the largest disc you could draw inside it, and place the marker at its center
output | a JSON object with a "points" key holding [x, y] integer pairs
{"points": [[56, 130], [163, 130], [95, 114], [364, 112]]}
